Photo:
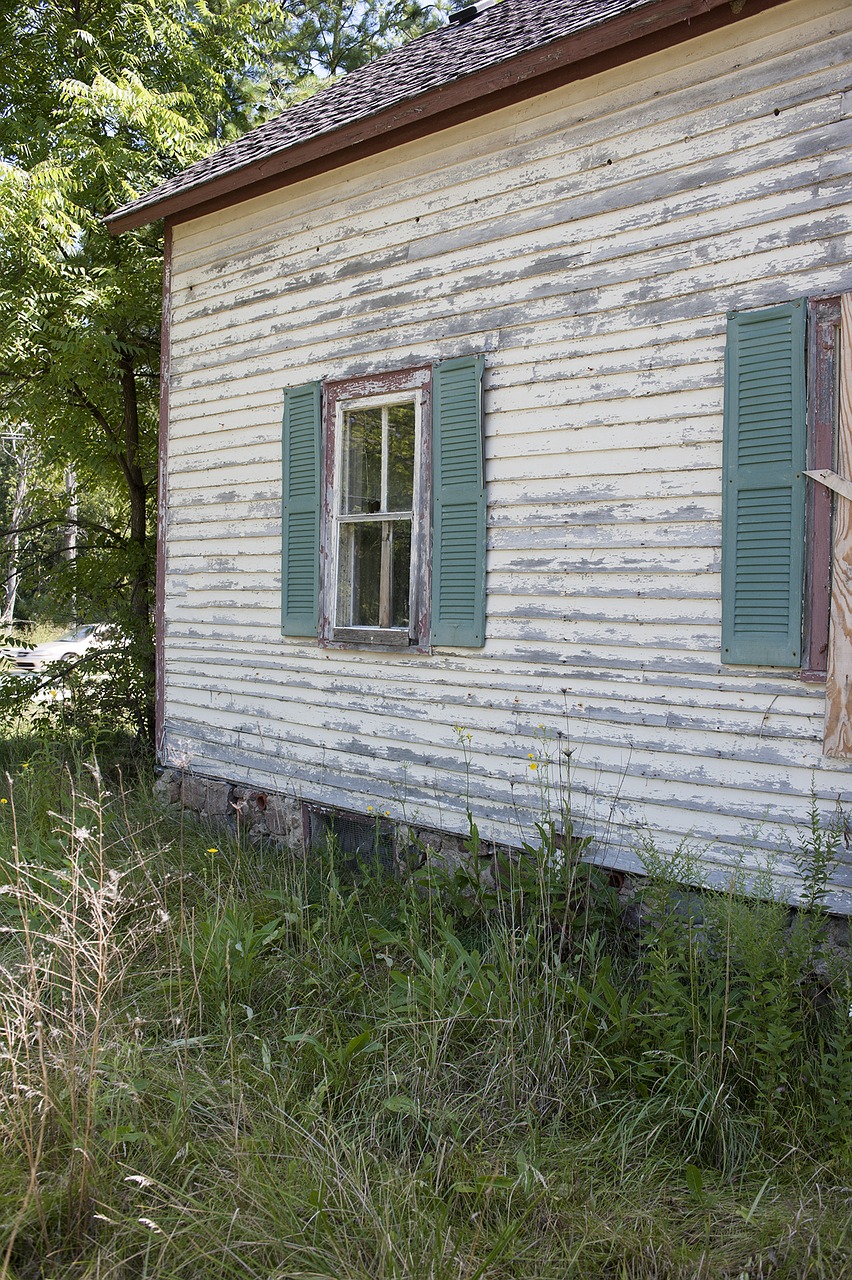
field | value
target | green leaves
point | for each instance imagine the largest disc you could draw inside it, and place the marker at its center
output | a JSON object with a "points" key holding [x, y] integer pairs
{"points": [[97, 105], [339, 1063], [333, 37]]}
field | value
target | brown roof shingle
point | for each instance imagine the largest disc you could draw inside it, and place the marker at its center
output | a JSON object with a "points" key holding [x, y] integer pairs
{"points": [[502, 34]]}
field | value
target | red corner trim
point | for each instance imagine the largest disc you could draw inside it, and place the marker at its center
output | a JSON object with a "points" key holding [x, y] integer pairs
{"points": [[162, 501]]}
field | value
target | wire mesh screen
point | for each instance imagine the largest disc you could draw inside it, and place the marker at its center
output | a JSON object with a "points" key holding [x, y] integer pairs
{"points": [[359, 842]]}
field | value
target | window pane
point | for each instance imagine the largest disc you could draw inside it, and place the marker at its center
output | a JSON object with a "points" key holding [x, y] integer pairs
{"points": [[401, 563], [359, 575], [362, 461], [374, 574], [401, 457]]}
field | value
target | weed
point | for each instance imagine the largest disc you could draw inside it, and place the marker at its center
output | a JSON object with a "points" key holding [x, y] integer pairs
{"points": [[245, 1063]]}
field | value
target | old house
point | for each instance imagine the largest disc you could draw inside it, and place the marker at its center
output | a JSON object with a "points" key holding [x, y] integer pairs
{"points": [[550, 303]]}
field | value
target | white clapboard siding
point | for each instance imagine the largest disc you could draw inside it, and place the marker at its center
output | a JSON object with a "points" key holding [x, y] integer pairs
{"points": [[589, 242]]}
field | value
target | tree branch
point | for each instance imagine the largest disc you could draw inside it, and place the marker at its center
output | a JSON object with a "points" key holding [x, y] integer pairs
{"points": [[99, 417]]}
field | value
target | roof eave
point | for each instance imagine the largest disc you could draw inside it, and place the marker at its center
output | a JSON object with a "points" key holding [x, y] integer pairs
{"points": [[623, 39]]}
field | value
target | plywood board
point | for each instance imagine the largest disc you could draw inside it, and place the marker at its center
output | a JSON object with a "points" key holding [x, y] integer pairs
{"points": [[838, 690]]}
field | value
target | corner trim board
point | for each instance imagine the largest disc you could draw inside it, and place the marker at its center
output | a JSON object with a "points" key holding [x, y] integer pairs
{"points": [[162, 502]]}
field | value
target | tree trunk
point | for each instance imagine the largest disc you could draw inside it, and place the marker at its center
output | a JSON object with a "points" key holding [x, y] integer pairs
{"points": [[12, 539], [137, 491], [140, 595]]}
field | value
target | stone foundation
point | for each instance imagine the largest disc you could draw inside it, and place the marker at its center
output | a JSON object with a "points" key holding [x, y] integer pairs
{"points": [[282, 820], [260, 814]]}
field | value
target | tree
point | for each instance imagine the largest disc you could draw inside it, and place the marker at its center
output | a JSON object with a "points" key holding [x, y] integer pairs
{"points": [[100, 101], [331, 37]]}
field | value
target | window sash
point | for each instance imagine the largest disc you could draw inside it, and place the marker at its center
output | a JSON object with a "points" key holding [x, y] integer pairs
{"points": [[381, 634]]}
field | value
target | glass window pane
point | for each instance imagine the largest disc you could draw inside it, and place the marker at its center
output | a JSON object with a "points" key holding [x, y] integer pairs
{"points": [[401, 457], [359, 574], [401, 562], [362, 461]]}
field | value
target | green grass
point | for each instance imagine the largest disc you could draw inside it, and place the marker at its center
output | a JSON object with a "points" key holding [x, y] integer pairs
{"points": [[218, 1060]]}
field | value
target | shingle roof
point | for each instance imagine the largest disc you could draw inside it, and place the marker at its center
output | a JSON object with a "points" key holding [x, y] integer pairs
{"points": [[500, 34]]}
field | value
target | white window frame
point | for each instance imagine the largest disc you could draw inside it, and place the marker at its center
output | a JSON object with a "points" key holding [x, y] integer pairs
{"points": [[405, 387]]}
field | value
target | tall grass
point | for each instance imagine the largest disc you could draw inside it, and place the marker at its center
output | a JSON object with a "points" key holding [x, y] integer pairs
{"points": [[219, 1060]]}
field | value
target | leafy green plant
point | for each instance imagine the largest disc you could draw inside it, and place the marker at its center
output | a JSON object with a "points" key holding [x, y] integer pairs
{"points": [[225, 950], [817, 856], [338, 1063], [278, 1069]]}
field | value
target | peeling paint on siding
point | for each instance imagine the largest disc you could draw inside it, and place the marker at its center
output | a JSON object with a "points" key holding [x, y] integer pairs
{"points": [[599, 292]]}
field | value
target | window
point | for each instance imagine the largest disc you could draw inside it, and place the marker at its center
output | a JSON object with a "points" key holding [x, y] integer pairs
{"points": [[375, 521], [383, 519], [780, 402]]}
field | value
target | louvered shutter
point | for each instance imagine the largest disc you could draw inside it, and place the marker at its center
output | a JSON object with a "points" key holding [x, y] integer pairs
{"points": [[300, 510], [458, 549], [763, 502]]}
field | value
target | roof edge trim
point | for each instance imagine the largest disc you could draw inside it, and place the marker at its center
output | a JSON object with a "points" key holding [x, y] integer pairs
{"points": [[577, 56]]}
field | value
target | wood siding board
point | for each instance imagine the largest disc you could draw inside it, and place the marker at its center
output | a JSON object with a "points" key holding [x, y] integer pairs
{"points": [[553, 705], [541, 218], [541, 215], [453, 248], [507, 761], [721, 255], [694, 295], [749, 728]]}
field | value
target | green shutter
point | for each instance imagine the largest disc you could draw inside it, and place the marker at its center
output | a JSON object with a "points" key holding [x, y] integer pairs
{"points": [[300, 510], [763, 501], [458, 551]]}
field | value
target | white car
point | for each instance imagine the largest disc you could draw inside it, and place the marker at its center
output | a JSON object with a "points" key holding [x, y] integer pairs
{"points": [[70, 646]]}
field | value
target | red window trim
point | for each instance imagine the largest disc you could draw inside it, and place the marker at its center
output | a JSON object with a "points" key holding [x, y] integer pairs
{"points": [[823, 360]]}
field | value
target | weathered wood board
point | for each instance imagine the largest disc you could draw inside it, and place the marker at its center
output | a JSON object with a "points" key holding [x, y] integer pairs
{"points": [[838, 690]]}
